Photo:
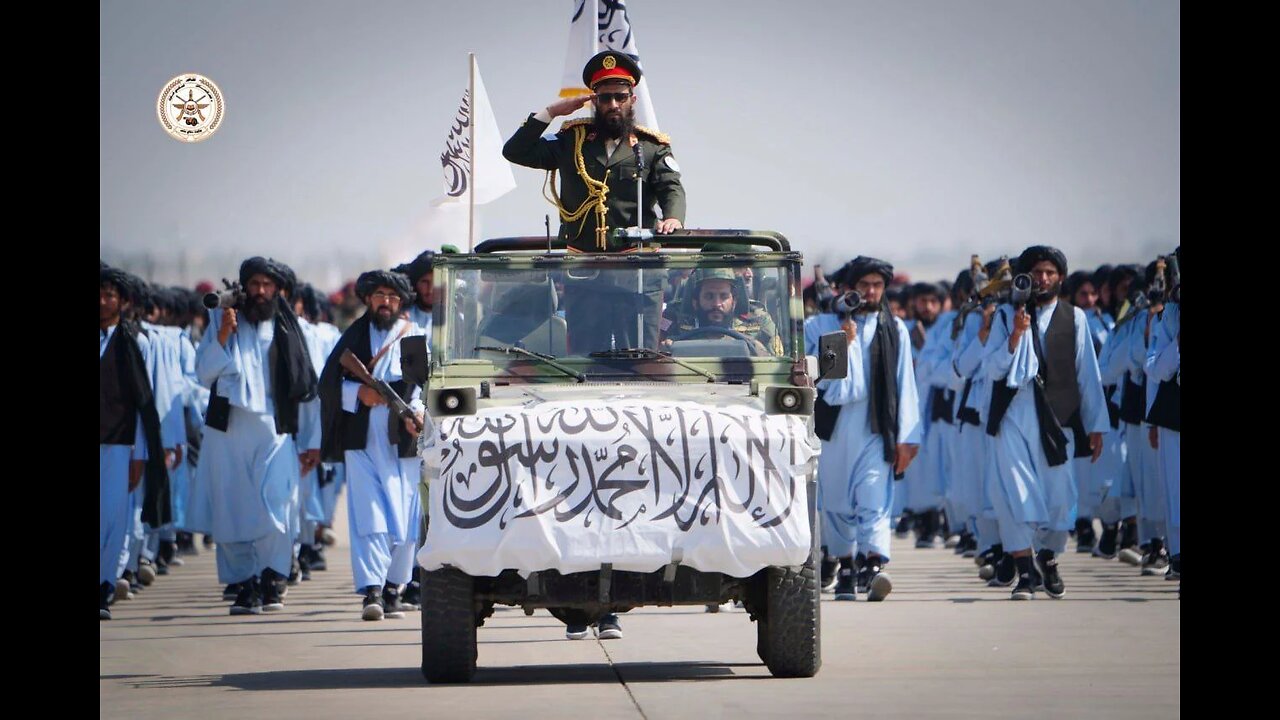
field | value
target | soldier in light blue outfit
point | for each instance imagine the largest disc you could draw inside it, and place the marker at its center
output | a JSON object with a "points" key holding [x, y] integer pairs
{"points": [[1079, 290], [925, 481], [1164, 369], [378, 449], [128, 429], [1045, 380], [1144, 469], [254, 359], [963, 471], [876, 435], [1118, 499]]}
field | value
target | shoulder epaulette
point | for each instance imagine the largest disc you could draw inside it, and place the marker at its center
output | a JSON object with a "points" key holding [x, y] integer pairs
{"points": [[570, 124], [654, 135]]}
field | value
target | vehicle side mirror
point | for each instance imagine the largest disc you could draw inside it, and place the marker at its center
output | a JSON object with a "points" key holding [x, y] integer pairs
{"points": [[833, 356], [415, 360]]}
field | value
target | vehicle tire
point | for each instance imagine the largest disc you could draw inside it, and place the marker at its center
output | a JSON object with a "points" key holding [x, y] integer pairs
{"points": [[448, 626], [788, 637]]}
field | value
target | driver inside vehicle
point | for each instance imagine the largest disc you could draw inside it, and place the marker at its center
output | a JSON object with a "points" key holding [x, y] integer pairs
{"points": [[715, 306]]}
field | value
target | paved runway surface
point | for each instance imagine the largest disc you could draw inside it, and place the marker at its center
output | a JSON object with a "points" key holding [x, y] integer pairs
{"points": [[942, 645]]}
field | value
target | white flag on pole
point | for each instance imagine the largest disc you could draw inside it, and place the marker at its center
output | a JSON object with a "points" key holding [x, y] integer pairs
{"points": [[495, 178], [598, 25]]}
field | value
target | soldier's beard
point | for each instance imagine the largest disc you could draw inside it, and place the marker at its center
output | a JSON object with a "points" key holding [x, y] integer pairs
{"points": [[260, 310], [616, 126], [383, 320], [1043, 297], [704, 318]]}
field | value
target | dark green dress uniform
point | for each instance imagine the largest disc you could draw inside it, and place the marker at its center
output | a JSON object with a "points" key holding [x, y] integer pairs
{"points": [[617, 171]]}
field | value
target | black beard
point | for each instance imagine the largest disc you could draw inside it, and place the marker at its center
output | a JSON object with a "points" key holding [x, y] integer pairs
{"points": [[425, 307], [1045, 297], [256, 311], [381, 323], [615, 128], [705, 321]]}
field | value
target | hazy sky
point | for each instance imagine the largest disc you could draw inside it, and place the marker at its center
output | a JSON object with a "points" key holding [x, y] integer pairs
{"points": [[917, 131]]}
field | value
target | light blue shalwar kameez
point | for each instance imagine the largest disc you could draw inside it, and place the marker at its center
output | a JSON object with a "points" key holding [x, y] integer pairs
{"points": [[383, 507], [855, 481], [1035, 503], [248, 474]]}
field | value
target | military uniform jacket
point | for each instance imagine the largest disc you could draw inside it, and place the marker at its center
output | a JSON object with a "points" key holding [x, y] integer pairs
{"points": [[662, 185]]}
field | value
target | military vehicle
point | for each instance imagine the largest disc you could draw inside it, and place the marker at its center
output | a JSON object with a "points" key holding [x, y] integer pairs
{"points": [[599, 440]]}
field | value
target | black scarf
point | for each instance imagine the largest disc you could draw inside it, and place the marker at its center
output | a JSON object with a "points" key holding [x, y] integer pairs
{"points": [[134, 379], [1052, 436], [884, 383], [293, 377], [340, 430]]}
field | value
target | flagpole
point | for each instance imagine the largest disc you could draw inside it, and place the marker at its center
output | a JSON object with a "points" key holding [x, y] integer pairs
{"points": [[471, 189]]}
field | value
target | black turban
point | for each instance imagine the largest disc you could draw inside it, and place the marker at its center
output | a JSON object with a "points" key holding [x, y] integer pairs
{"points": [[1120, 273], [963, 286], [1073, 282], [863, 266], [1099, 277], [374, 279], [923, 289], [129, 286], [420, 266], [282, 274], [310, 303], [1039, 253]]}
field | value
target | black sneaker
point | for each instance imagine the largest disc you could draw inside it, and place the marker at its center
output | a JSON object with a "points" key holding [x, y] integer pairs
{"points": [[1025, 589], [412, 595], [962, 542], [231, 591], [391, 607], [169, 553], [373, 609], [1175, 568], [1084, 535], [105, 591], [576, 632], [304, 562], [187, 544], [986, 561], [829, 567], [860, 578], [248, 601], [845, 578], [162, 567], [878, 582], [295, 573], [1106, 547], [1005, 573], [1156, 561], [318, 563], [608, 628], [905, 523], [1051, 580], [1130, 551], [971, 547], [272, 598], [207, 541]]}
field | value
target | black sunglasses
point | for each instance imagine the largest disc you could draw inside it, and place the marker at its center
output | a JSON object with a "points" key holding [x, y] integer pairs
{"points": [[621, 98]]}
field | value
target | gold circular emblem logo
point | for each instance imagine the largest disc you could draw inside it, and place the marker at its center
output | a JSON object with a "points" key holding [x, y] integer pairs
{"points": [[190, 107], [610, 62]]}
